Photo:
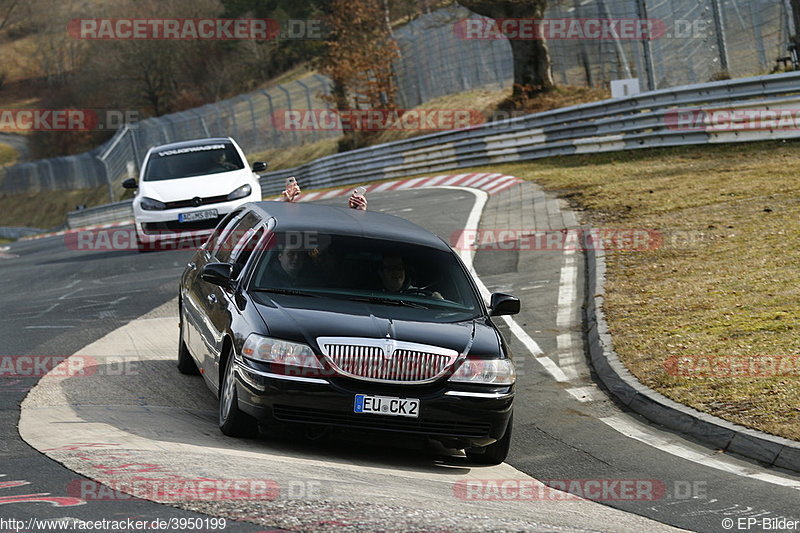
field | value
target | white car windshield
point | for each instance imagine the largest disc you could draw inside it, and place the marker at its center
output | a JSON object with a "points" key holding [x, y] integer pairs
{"points": [[192, 161]]}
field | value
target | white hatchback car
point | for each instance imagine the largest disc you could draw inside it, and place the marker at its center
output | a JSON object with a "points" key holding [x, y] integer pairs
{"points": [[188, 187]]}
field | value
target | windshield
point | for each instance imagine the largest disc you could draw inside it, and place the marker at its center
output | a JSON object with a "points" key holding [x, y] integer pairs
{"points": [[370, 270], [192, 161]]}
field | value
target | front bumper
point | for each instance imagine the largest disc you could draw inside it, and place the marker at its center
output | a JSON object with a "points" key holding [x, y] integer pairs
{"points": [[458, 418], [160, 226]]}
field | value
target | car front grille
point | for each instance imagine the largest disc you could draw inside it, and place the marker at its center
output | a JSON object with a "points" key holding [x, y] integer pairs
{"points": [[448, 428], [178, 227], [192, 202], [387, 361]]}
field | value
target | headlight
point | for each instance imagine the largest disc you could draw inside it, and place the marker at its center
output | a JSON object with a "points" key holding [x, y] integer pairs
{"points": [[485, 372], [277, 351], [148, 204], [241, 192]]}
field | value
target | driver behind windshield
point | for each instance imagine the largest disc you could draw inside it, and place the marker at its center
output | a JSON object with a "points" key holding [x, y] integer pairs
{"points": [[394, 277]]}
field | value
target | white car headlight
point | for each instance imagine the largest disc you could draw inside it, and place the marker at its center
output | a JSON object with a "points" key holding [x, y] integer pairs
{"points": [[278, 351], [485, 372], [241, 192], [148, 204]]}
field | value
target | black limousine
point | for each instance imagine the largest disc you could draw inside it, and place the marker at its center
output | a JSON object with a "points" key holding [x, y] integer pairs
{"points": [[311, 314]]}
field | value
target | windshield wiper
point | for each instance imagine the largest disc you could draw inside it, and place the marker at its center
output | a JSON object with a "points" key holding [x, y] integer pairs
{"points": [[293, 292], [387, 301]]}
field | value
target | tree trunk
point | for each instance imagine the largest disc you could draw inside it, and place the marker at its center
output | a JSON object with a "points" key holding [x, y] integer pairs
{"points": [[532, 64], [532, 71]]}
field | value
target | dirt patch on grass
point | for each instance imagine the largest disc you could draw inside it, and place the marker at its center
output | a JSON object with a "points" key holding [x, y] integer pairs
{"points": [[46, 209], [8, 156], [725, 284]]}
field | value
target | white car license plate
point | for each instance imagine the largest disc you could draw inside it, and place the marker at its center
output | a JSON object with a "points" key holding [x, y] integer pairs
{"points": [[197, 215], [386, 405]]}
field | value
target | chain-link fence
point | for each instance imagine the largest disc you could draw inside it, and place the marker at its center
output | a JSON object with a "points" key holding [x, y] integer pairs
{"points": [[700, 40]]}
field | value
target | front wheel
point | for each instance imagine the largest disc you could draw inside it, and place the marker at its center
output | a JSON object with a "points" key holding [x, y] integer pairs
{"points": [[494, 454], [232, 421]]}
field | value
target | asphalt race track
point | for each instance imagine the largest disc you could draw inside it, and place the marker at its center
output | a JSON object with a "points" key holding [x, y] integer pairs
{"points": [[59, 301]]}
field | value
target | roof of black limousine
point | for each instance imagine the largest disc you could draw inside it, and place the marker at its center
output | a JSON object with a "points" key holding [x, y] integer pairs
{"points": [[346, 221]]}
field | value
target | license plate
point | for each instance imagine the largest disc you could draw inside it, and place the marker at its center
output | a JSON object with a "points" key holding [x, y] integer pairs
{"points": [[386, 405], [198, 215]]}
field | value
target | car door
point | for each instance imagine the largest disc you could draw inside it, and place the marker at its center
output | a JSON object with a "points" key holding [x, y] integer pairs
{"points": [[217, 301], [195, 293]]}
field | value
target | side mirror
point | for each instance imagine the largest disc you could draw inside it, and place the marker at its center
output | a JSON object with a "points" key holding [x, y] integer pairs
{"points": [[259, 166], [129, 183], [218, 274], [503, 304]]}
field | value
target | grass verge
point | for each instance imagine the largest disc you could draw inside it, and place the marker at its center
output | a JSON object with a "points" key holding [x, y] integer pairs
{"points": [[47, 209], [724, 287]]}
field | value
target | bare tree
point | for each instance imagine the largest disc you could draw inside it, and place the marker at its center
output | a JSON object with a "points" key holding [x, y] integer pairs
{"points": [[532, 65]]}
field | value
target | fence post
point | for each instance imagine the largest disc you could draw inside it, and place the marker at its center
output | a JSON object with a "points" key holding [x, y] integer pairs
{"points": [[646, 47], [719, 27], [626, 68], [271, 116], [288, 107], [308, 103]]}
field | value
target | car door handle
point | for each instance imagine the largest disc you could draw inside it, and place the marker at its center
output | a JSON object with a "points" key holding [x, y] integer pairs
{"points": [[192, 266], [212, 299]]}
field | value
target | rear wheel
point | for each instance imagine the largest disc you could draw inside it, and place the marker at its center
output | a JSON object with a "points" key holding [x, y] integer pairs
{"points": [[494, 454], [186, 364], [232, 421]]}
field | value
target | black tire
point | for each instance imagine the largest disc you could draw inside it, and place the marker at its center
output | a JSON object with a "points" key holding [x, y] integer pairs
{"points": [[141, 247], [232, 421], [494, 454], [186, 364]]}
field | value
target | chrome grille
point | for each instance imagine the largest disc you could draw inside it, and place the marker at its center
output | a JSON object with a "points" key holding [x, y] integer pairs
{"points": [[374, 360]]}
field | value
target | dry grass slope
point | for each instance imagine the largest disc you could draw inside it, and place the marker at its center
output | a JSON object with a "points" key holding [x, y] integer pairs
{"points": [[725, 283]]}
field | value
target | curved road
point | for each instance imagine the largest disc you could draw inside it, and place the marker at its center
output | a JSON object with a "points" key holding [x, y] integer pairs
{"points": [[567, 433]]}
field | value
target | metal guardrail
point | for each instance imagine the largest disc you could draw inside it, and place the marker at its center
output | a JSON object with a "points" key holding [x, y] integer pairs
{"points": [[15, 232], [628, 123]]}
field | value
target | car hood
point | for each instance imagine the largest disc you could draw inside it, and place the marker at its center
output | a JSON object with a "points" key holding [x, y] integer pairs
{"points": [[289, 317], [204, 186]]}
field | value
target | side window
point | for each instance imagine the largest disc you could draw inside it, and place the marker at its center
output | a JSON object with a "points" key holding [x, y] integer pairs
{"points": [[213, 239], [239, 232], [245, 248]]}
